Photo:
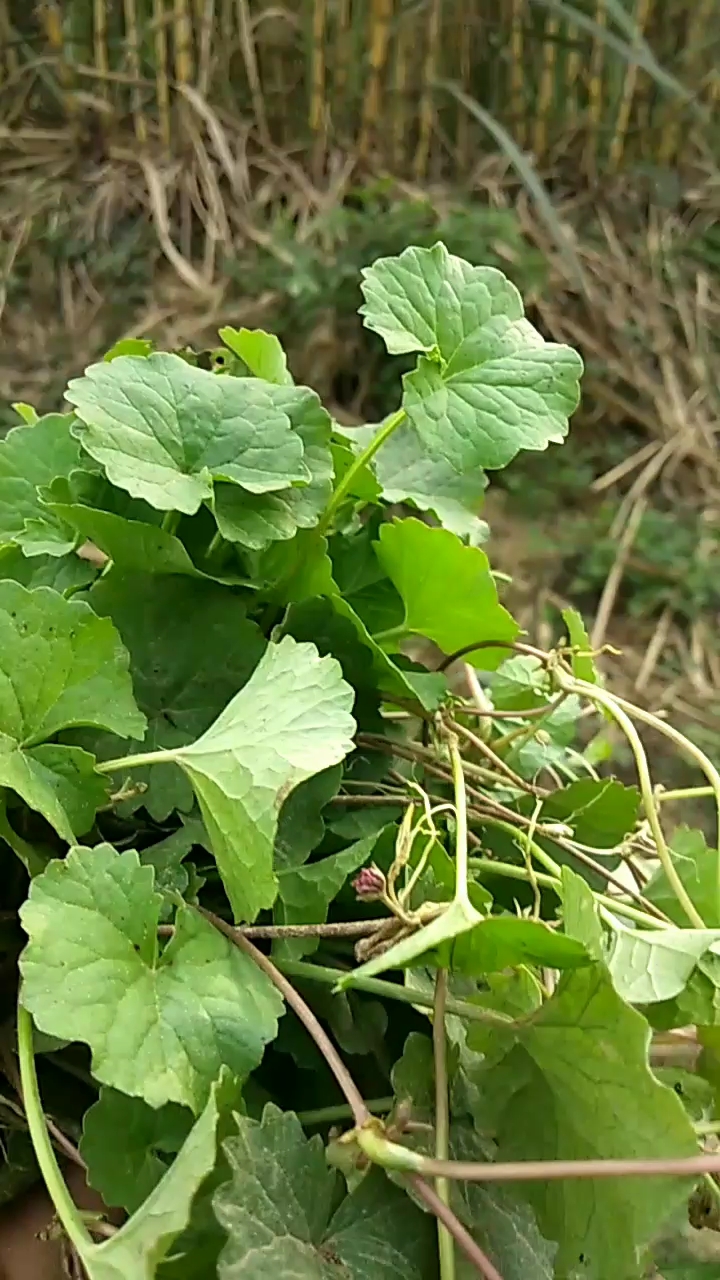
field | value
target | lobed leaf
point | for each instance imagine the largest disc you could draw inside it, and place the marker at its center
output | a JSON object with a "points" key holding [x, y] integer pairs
{"points": [[160, 1022], [164, 430], [487, 384]]}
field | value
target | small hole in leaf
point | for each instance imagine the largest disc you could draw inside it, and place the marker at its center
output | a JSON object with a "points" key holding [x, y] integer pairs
{"points": [[678, 1088]]}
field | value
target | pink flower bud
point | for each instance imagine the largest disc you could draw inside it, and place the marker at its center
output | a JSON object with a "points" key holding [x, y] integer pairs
{"points": [[369, 884]]}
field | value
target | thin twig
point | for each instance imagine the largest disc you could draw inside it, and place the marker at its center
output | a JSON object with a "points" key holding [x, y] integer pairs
{"points": [[497, 761], [343, 929], [446, 1247], [460, 1234], [361, 1114], [303, 1011]]}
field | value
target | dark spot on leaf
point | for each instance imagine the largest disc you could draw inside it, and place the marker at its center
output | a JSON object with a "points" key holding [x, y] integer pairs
{"points": [[678, 1088]]}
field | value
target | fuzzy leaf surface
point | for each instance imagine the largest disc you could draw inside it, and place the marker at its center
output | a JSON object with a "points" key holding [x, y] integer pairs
{"points": [[163, 430], [576, 1085], [160, 1023], [60, 666], [292, 719], [277, 1211], [487, 384]]}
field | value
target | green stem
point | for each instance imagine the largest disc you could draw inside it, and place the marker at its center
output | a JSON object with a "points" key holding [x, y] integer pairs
{"points": [[356, 467], [684, 793], [461, 832], [135, 761], [63, 1203], [554, 882], [446, 1244], [213, 544], [335, 1115], [170, 521], [611, 705], [391, 991], [392, 633]]}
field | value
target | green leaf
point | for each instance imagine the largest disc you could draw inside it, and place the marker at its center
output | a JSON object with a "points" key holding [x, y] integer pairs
{"points": [[405, 472], [601, 812], [61, 666], [127, 1146], [504, 941], [489, 385], [520, 684], [580, 913], [650, 965], [256, 519], [583, 664], [504, 1226], [301, 825], [129, 347], [291, 720], [164, 430], [31, 457], [305, 893], [262, 353], [28, 414], [131, 544], [160, 1022], [137, 1249], [65, 574], [277, 1213], [699, 869], [183, 673], [422, 562], [576, 1085]]}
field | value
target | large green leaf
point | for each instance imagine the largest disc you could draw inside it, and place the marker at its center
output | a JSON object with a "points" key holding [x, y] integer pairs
{"points": [[576, 1085], [60, 666], [160, 1022], [277, 1211], [163, 430], [487, 385], [291, 720], [191, 648], [137, 1249], [447, 588], [649, 965], [128, 1146], [257, 519], [699, 869], [31, 457]]}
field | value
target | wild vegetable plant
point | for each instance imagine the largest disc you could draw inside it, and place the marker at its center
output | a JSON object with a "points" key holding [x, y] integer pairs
{"points": [[337, 973]]}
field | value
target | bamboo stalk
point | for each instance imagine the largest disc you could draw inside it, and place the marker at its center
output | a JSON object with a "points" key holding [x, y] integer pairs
{"points": [[205, 14], [517, 74], [595, 89], [162, 83], [182, 42], [252, 70], [547, 86], [400, 97], [381, 13], [132, 44], [51, 20], [317, 113], [617, 145], [466, 27], [342, 52], [427, 99], [100, 50], [701, 19]]}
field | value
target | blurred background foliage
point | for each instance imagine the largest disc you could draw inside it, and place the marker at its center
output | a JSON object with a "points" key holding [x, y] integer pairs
{"points": [[170, 165]]}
